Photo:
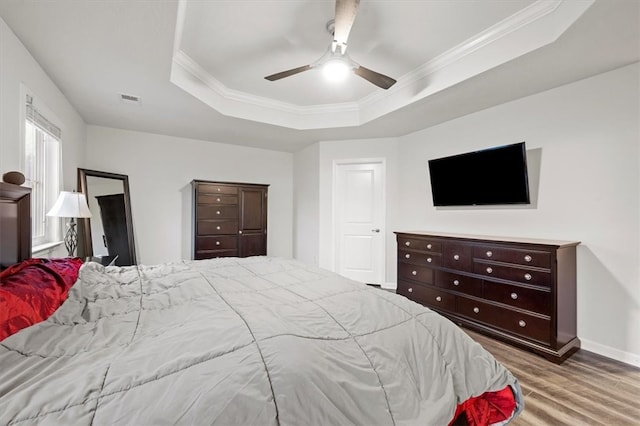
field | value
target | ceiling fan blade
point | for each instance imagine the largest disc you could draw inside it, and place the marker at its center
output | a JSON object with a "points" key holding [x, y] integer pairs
{"points": [[288, 73], [378, 79], [346, 11]]}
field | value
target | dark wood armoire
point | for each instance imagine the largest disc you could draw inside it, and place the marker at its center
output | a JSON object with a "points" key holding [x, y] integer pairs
{"points": [[229, 219]]}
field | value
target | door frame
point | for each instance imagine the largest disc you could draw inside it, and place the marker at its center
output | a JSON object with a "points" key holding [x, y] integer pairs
{"points": [[334, 224]]}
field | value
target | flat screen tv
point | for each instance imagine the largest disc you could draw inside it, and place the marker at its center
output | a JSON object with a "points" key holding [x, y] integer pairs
{"points": [[494, 176]]}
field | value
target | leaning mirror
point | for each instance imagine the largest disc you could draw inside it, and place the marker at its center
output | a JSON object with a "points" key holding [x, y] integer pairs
{"points": [[107, 237]]}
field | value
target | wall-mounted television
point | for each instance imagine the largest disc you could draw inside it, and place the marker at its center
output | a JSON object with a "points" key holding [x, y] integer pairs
{"points": [[494, 176]]}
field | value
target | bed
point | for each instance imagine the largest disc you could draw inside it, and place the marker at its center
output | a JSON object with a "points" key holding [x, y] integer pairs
{"points": [[252, 341]]}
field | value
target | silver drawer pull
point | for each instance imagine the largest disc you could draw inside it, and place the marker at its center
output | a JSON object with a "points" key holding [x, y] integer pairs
{"points": [[414, 272], [456, 282], [456, 257], [408, 243], [218, 227], [527, 277], [438, 299], [407, 256], [217, 243], [410, 290], [219, 190], [476, 310], [217, 211], [514, 296], [239, 232], [489, 269], [429, 260], [522, 323], [489, 253], [528, 258], [218, 200], [429, 246]]}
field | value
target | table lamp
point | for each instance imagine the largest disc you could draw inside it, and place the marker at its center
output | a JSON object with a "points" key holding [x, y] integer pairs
{"points": [[72, 205]]}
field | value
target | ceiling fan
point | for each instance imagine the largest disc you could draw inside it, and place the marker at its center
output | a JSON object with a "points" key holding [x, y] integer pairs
{"points": [[336, 58]]}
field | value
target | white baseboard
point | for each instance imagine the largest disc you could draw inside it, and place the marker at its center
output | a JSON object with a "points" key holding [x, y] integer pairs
{"points": [[587, 345], [609, 352], [389, 286]]}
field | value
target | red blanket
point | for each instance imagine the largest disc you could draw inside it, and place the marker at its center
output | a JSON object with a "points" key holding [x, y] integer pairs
{"points": [[486, 409], [32, 290]]}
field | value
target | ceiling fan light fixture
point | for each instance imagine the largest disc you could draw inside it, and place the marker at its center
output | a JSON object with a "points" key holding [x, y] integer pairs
{"points": [[335, 70]]}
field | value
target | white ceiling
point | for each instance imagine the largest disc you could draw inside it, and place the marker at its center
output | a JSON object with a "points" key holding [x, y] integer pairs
{"points": [[199, 65]]}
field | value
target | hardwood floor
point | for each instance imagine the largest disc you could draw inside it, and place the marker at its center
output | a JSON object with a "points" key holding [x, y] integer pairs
{"points": [[587, 389]]}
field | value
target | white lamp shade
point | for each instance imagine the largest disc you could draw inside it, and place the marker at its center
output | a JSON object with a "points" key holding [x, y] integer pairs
{"points": [[70, 204]]}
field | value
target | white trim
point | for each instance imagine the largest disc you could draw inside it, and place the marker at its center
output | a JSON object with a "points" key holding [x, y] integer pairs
{"points": [[609, 352], [535, 26], [45, 247]]}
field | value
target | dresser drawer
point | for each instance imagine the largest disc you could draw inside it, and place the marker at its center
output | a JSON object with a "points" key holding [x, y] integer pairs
{"points": [[512, 273], [217, 199], [521, 297], [216, 242], [429, 296], [217, 189], [528, 326], [216, 212], [415, 273], [541, 259], [216, 227], [457, 256], [461, 283], [419, 244], [418, 258]]}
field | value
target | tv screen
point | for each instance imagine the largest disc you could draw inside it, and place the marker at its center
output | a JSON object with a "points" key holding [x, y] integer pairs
{"points": [[489, 177]]}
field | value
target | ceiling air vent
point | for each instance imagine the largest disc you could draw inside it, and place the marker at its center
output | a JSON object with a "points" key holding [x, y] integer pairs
{"points": [[130, 99]]}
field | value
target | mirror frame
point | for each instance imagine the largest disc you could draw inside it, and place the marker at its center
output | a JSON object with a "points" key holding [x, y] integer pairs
{"points": [[85, 242]]}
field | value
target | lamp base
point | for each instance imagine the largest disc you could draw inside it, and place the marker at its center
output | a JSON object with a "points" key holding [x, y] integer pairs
{"points": [[71, 238]]}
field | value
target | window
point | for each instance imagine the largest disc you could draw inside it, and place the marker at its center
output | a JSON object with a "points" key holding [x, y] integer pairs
{"points": [[42, 172]]}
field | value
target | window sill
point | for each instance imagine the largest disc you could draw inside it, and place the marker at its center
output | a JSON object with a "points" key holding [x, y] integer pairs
{"points": [[45, 247]]}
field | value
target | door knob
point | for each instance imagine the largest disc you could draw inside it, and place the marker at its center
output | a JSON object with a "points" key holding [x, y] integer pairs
{"points": [[375, 230]]}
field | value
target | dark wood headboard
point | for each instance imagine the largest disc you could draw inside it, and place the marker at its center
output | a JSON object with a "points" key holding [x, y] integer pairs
{"points": [[15, 224]]}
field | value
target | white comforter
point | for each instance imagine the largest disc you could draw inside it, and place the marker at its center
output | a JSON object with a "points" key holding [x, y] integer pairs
{"points": [[257, 341]]}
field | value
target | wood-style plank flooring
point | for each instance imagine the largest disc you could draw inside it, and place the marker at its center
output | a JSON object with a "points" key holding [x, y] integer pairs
{"points": [[587, 389]]}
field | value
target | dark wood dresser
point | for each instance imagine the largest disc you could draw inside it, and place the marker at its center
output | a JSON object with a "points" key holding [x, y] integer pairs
{"points": [[229, 219], [521, 291]]}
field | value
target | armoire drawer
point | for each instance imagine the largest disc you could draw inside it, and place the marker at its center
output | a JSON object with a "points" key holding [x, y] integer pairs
{"points": [[215, 212], [512, 273], [428, 296], [540, 259], [416, 273], [217, 189], [217, 199], [529, 326], [217, 227], [208, 254], [216, 242], [419, 258], [520, 297]]}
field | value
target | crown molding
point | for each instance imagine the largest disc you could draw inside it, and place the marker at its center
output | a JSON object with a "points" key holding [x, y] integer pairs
{"points": [[533, 27]]}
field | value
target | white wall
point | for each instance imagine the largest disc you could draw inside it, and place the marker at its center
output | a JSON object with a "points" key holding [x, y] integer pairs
{"points": [[306, 204], [386, 149], [18, 66], [160, 170], [584, 138]]}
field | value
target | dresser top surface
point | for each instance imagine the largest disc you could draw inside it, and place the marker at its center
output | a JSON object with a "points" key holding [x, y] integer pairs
{"points": [[502, 239]]}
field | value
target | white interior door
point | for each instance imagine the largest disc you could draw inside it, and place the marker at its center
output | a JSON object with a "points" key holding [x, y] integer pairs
{"points": [[359, 221]]}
